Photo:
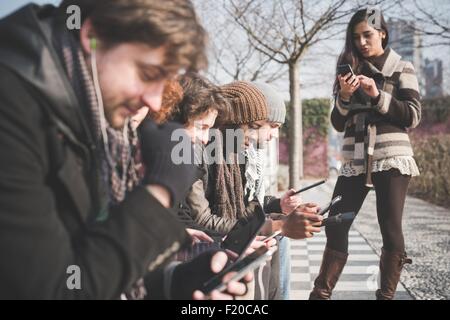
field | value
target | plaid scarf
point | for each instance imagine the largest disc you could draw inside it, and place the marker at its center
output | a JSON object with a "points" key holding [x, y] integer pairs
{"points": [[121, 174]]}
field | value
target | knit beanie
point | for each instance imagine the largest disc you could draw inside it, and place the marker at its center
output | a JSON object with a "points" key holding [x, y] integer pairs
{"points": [[275, 102], [247, 103]]}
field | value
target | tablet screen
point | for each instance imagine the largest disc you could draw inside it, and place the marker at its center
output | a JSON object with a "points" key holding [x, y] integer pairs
{"points": [[244, 232]]}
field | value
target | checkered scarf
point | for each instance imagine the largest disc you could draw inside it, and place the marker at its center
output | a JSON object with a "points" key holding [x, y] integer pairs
{"points": [[254, 165], [121, 175]]}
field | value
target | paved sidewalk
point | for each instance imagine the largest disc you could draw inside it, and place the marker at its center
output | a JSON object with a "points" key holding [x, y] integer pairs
{"points": [[360, 276], [426, 228]]}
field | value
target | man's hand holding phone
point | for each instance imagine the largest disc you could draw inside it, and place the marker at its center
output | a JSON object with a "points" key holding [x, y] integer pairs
{"points": [[198, 236], [189, 277], [259, 242], [237, 271], [290, 201], [301, 225], [308, 207]]}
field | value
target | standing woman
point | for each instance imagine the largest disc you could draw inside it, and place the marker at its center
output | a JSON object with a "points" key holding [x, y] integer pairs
{"points": [[375, 107]]}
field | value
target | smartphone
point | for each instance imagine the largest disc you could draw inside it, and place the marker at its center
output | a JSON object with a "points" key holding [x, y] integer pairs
{"points": [[241, 267], [273, 235], [328, 207], [339, 218], [310, 186], [343, 69], [244, 232]]}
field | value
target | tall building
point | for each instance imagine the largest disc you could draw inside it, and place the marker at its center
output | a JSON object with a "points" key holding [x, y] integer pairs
{"points": [[433, 78], [406, 41]]}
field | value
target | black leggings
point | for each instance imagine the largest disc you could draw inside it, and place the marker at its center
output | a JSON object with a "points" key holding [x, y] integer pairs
{"points": [[390, 188]]}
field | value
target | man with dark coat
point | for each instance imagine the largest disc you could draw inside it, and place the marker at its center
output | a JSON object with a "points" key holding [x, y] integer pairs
{"points": [[74, 221]]}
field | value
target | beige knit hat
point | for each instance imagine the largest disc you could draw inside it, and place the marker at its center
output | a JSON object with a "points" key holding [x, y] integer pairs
{"points": [[247, 103]]}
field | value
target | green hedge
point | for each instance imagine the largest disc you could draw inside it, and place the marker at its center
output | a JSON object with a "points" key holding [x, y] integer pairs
{"points": [[315, 113], [432, 154]]}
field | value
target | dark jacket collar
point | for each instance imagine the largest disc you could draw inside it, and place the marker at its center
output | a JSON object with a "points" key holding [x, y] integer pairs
{"points": [[26, 47], [389, 66]]}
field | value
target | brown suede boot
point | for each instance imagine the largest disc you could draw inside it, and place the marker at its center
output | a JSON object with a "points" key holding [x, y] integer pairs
{"points": [[391, 265], [331, 268]]}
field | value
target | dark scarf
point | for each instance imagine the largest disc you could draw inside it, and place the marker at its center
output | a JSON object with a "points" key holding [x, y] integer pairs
{"points": [[227, 198], [121, 175]]}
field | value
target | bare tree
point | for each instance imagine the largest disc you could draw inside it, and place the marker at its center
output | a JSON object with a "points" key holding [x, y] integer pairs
{"points": [[431, 20], [284, 30], [239, 60], [231, 55]]}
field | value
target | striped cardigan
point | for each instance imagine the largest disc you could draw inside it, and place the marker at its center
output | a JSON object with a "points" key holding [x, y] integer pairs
{"points": [[376, 129]]}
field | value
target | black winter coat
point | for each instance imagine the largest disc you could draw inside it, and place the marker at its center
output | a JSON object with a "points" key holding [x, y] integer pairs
{"points": [[48, 189]]}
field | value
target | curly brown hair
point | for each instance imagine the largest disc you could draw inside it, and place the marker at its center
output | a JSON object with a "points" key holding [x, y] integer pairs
{"points": [[171, 97], [199, 97]]}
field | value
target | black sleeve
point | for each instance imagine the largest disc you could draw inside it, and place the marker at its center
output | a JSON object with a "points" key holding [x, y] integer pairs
{"points": [[37, 248], [272, 204], [183, 214]]}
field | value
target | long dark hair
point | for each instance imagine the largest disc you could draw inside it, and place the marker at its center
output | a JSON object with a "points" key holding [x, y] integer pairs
{"points": [[351, 55]]}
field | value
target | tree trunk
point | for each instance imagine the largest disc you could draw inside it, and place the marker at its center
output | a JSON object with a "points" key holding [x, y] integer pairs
{"points": [[296, 128]]}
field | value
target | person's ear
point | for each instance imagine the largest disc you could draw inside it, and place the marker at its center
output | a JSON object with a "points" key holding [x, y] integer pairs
{"points": [[383, 35], [87, 36]]}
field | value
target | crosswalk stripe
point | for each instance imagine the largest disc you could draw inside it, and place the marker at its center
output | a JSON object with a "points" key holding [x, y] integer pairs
{"points": [[321, 247], [349, 269], [299, 294], [349, 286], [300, 277], [359, 286], [324, 239], [299, 263], [351, 257]]}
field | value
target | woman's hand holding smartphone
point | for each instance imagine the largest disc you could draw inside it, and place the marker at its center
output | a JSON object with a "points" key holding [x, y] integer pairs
{"points": [[348, 82]]}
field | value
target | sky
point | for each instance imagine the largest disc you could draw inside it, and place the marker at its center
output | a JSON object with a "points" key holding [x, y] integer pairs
{"points": [[317, 69], [7, 6], [314, 63]]}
